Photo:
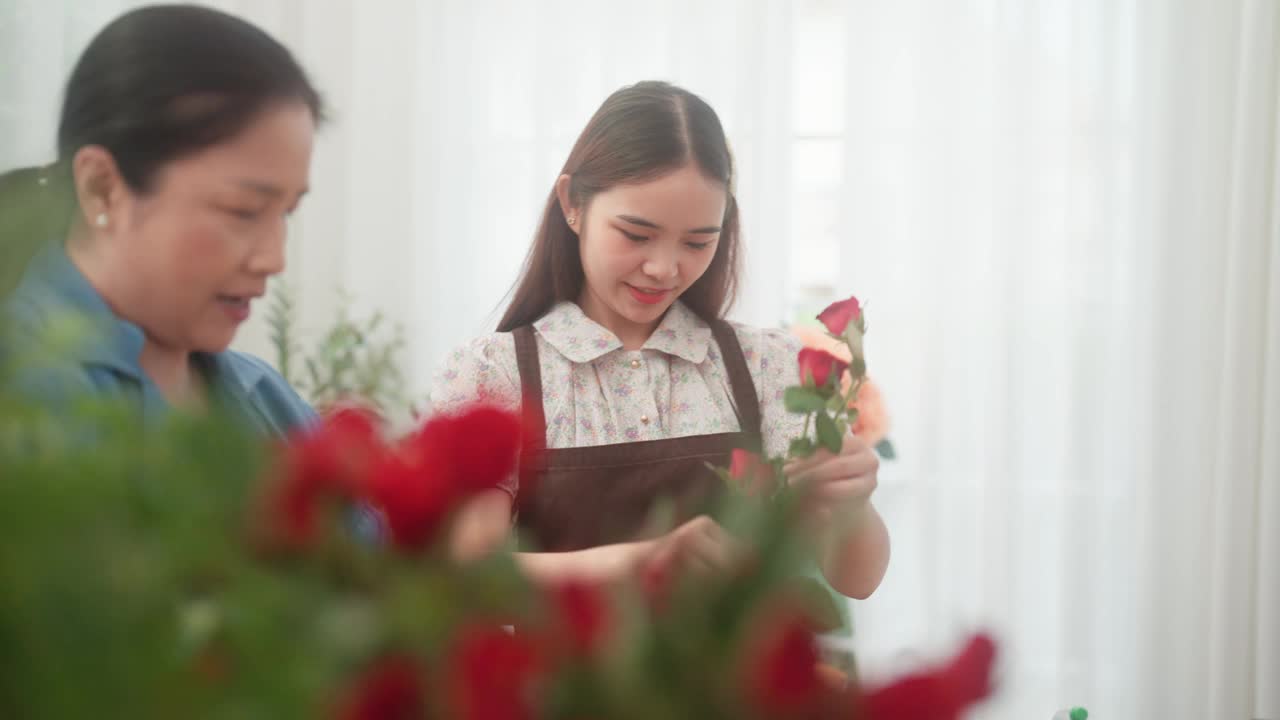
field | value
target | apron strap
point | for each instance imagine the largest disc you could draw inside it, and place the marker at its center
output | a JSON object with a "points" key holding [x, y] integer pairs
{"points": [[533, 415], [744, 390]]}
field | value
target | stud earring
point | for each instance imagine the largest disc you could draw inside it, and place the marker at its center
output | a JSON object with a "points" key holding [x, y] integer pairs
{"points": [[101, 220], [572, 219]]}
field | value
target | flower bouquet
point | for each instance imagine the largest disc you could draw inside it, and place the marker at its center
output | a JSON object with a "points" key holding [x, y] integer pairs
{"points": [[191, 571]]}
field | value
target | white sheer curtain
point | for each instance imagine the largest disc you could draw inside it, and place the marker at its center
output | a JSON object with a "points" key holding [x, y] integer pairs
{"points": [[451, 120], [1063, 216]]}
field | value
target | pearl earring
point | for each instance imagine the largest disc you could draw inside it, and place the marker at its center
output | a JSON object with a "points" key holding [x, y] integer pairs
{"points": [[101, 220]]}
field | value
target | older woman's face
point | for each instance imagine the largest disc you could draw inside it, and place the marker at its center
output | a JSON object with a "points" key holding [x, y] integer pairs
{"points": [[196, 249]]}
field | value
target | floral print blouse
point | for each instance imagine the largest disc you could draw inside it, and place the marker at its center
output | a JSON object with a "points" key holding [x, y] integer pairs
{"points": [[595, 392]]}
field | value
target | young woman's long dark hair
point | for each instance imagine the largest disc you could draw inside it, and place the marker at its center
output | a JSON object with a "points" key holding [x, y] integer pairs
{"points": [[640, 133]]}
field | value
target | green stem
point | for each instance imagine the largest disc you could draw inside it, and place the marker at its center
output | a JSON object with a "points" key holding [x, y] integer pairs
{"points": [[854, 387], [857, 383]]}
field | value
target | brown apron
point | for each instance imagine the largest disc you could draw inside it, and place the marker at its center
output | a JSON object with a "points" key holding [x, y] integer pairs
{"points": [[575, 498]]}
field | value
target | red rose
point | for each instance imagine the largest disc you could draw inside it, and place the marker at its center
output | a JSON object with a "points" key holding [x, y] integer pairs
{"points": [[752, 473], [331, 459], [476, 449], [941, 694], [448, 459], [338, 450], [492, 674], [968, 675], [584, 614], [486, 444], [414, 494], [782, 675], [391, 690], [354, 417], [838, 315], [817, 367]]}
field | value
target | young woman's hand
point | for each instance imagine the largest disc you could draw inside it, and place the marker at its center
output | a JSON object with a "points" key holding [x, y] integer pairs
{"points": [[836, 487], [699, 546], [851, 537], [481, 526]]}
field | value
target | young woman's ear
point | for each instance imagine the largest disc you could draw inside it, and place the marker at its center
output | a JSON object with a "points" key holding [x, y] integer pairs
{"points": [[571, 214]]}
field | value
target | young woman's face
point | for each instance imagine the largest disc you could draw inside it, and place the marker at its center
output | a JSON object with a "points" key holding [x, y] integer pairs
{"points": [[187, 258], [643, 245]]}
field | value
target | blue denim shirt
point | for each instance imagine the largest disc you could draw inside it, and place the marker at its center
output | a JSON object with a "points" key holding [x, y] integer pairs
{"points": [[103, 358]]}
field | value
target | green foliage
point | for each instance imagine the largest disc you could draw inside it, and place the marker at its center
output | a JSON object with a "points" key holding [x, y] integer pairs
{"points": [[136, 586], [800, 399], [829, 410], [35, 206], [353, 358], [829, 436]]}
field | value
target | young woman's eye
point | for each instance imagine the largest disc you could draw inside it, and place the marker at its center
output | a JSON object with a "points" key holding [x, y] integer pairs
{"points": [[633, 237], [699, 245]]}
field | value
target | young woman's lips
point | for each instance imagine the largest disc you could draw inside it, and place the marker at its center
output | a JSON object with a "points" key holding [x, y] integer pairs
{"points": [[648, 296]]}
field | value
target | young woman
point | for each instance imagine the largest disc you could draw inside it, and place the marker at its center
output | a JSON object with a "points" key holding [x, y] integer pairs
{"points": [[184, 143], [632, 380]]}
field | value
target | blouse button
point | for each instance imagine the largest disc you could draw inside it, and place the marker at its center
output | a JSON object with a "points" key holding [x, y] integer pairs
{"points": [[635, 364], [644, 419]]}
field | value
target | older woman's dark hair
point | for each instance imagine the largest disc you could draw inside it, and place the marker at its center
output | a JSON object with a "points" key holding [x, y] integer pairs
{"points": [[156, 84], [164, 81]]}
